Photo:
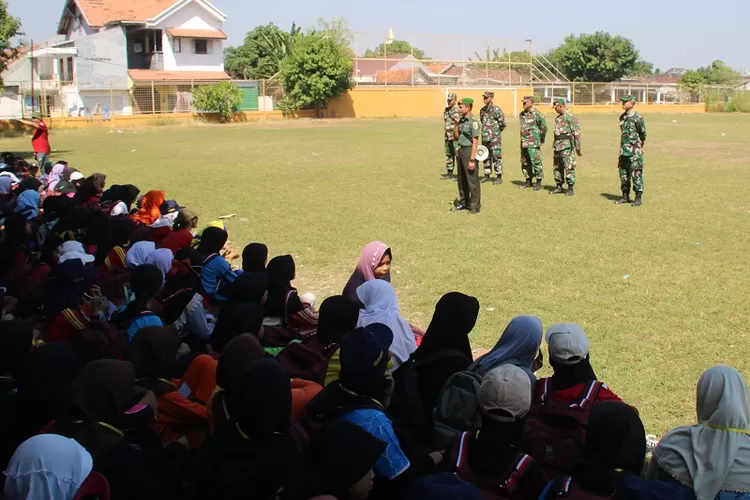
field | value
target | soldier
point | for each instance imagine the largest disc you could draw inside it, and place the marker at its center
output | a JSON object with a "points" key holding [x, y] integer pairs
{"points": [[451, 116], [533, 134], [632, 139], [567, 139], [466, 133], [493, 123]]}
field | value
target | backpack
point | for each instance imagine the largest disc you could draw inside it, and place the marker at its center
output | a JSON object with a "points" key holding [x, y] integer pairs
{"points": [[491, 489], [301, 360], [554, 431]]}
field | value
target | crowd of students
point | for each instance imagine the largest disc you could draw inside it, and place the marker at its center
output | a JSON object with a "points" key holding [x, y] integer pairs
{"points": [[141, 356]]}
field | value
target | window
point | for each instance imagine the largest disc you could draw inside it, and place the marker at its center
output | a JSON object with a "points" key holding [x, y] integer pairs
{"points": [[177, 45], [69, 74], [201, 46], [157, 41]]}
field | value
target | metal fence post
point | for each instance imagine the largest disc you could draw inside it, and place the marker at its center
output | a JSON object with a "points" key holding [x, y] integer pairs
{"points": [[593, 95], [153, 98], [111, 104]]}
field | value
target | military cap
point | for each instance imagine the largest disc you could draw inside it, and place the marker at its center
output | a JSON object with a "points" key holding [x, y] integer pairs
{"points": [[452, 96], [558, 101], [468, 101], [529, 98], [627, 98], [488, 94]]}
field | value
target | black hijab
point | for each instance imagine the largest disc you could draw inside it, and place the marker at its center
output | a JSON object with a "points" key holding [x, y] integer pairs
{"points": [[126, 193], [263, 401], [213, 240], [29, 184], [566, 376], [15, 346], [254, 258], [454, 318], [235, 319], [71, 280], [337, 316], [92, 186], [248, 288], [281, 272], [153, 351], [615, 439]]}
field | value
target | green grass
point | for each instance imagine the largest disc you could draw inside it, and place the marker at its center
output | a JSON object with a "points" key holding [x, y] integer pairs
{"points": [[321, 190]]}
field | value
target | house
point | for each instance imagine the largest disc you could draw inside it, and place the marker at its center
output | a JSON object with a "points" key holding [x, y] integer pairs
{"points": [[365, 71], [659, 89], [125, 56]]}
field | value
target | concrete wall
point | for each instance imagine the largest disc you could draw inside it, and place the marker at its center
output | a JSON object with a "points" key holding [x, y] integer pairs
{"points": [[102, 61], [83, 30], [192, 16]]}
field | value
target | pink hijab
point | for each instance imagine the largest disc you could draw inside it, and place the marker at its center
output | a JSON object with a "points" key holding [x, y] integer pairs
{"points": [[369, 260], [54, 177]]}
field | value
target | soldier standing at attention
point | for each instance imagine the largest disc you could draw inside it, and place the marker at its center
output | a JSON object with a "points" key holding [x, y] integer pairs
{"points": [[493, 123], [466, 132], [567, 139], [533, 134], [632, 139], [451, 116]]}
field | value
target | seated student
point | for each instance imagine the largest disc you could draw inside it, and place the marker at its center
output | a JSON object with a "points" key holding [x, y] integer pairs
{"points": [[14, 244], [381, 306], [283, 301], [361, 396], [145, 284], [47, 466], [251, 456], [90, 191], [153, 352], [200, 379], [27, 204], [249, 288], [161, 258], [710, 460], [236, 319], [445, 350], [55, 175], [217, 273], [492, 458], [137, 253], [149, 209], [255, 258], [338, 462], [122, 197], [518, 345], [182, 231], [374, 263]]}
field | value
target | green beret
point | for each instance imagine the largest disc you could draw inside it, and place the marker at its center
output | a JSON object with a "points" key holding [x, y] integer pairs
{"points": [[558, 101], [468, 101], [452, 96], [627, 98]]}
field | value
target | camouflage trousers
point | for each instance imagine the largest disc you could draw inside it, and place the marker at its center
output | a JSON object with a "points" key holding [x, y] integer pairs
{"points": [[564, 166], [631, 167], [531, 163], [494, 161], [450, 155]]}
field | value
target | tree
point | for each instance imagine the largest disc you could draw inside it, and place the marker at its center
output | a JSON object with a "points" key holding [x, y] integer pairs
{"points": [[336, 28], [221, 98], [600, 57], [262, 52], [693, 81], [9, 27], [719, 73], [642, 68], [316, 71], [396, 48]]}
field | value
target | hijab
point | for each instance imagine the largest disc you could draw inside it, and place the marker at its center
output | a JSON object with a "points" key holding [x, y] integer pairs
{"points": [[5, 184], [199, 235], [15, 345], [55, 176], [150, 211], [126, 193], [566, 376], [91, 187], [263, 400], [337, 316], [138, 253], [518, 345], [615, 441], [254, 258], [369, 260], [381, 306], [238, 354], [713, 455], [248, 288], [161, 258], [153, 351], [454, 318], [235, 319], [213, 240], [65, 290], [27, 204], [47, 466], [100, 394], [281, 272]]}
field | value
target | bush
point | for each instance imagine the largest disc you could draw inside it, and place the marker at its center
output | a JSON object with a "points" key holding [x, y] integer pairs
{"points": [[287, 106], [221, 98]]}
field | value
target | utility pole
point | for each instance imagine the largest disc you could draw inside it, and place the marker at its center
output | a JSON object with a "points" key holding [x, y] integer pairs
{"points": [[31, 65]]}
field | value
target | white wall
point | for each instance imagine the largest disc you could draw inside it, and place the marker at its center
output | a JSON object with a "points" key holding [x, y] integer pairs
{"points": [[83, 30], [118, 103], [192, 16], [10, 103]]}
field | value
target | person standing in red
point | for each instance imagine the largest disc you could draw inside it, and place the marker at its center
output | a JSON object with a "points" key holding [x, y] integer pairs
{"points": [[40, 139]]}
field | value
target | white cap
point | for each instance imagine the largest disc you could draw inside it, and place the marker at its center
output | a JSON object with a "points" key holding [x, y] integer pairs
{"points": [[75, 176], [74, 250], [567, 343]]}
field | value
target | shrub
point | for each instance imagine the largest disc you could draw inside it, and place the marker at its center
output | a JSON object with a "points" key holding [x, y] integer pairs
{"points": [[221, 98]]}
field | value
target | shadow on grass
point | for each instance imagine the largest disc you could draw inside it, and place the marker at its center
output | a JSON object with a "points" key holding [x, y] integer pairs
{"points": [[611, 197], [29, 155]]}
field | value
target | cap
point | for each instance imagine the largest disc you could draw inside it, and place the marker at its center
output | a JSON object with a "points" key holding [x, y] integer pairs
{"points": [[627, 98], [567, 343], [76, 176], [169, 206], [528, 98], [559, 101], [452, 96], [37, 116], [505, 394], [365, 350], [74, 250], [488, 94], [468, 101], [73, 271]]}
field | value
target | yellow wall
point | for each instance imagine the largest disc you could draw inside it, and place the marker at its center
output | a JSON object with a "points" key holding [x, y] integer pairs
{"points": [[583, 109]]}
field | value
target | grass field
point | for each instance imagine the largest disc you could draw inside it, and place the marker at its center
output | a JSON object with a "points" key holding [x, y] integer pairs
{"points": [[662, 291]]}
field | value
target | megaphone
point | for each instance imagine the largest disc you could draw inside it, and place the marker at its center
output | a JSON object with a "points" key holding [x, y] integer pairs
{"points": [[482, 153]]}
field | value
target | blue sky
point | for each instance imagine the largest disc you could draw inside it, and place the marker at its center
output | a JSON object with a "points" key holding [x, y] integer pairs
{"points": [[668, 33]]}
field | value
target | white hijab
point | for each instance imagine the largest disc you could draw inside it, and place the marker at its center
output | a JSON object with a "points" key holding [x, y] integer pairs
{"points": [[138, 252], [381, 306], [47, 466], [714, 455]]}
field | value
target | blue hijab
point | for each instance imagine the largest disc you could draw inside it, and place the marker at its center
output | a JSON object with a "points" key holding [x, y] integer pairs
{"points": [[518, 345], [27, 204]]}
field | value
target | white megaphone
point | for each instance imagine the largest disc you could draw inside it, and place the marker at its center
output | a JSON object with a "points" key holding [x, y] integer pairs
{"points": [[482, 153]]}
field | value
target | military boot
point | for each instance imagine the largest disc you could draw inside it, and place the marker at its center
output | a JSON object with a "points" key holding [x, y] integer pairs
{"points": [[527, 185], [570, 191], [486, 178], [625, 198], [558, 190], [538, 185], [498, 179], [447, 176], [638, 199]]}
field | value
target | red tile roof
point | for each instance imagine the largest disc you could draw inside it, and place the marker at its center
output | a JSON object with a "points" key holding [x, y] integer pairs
{"points": [[209, 34], [100, 12], [438, 67], [370, 67], [396, 76], [147, 75]]}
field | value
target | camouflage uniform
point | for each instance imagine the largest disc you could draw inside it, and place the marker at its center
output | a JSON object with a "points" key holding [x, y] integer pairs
{"points": [[493, 123], [632, 139], [451, 115], [533, 135], [567, 140]]}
